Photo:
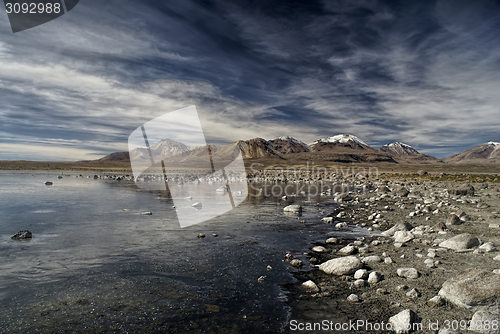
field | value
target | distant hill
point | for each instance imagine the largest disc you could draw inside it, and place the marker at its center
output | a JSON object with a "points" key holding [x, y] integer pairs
{"points": [[405, 153], [118, 156], [484, 153], [258, 148], [288, 145]]}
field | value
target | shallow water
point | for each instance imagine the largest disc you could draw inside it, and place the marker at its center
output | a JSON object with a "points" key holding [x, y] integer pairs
{"points": [[92, 266]]}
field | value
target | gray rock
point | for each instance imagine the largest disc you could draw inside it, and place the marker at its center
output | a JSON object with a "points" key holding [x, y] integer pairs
{"points": [[435, 301], [147, 213], [361, 273], [296, 263], [353, 298], [331, 241], [310, 286], [22, 235], [359, 283], [403, 236], [401, 191], [453, 220], [401, 226], [294, 208], [411, 273], [482, 321], [48, 183], [405, 321], [460, 242], [488, 247], [371, 259], [413, 293], [471, 288], [347, 250], [319, 249], [463, 190], [341, 266], [374, 277]]}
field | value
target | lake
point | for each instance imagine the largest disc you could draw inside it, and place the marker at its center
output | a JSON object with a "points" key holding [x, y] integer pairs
{"points": [[93, 267]]}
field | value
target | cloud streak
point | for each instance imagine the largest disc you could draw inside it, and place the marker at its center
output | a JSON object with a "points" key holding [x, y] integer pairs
{"points": [[424, 73]]}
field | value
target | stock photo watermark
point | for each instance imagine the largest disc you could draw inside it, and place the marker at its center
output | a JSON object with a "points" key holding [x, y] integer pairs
{"points": [[26, 14]]}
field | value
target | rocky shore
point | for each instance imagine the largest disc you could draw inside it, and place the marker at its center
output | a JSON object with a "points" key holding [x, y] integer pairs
{"points": [[430, 266]]}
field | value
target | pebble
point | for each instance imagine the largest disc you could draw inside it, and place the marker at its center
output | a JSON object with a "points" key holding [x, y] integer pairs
{"points": [[413, 293], [296, 263], [410, 273], [353, 298], [374, 277], [319, 249], [361, 273], [310, 286]]}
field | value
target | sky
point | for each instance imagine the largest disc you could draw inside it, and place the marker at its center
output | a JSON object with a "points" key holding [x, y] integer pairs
{"points": [[426, 73]]}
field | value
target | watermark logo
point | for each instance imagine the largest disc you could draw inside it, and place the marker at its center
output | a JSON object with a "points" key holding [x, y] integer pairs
{"points": [[26, 14], [169, 153]]}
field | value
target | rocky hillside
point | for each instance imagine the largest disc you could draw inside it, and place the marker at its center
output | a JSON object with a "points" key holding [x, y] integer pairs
{"points": [[484, 153], [288, 145], [257, 148]]}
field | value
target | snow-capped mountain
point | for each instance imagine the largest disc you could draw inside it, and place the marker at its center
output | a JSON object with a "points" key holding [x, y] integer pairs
{"points": [[339, 141], [288, 145], [164, 149], [399, 148], [486, 153]]}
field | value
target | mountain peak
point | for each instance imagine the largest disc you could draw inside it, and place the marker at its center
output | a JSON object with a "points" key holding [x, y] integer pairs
{"points": [[342, 139], [399, 148]]}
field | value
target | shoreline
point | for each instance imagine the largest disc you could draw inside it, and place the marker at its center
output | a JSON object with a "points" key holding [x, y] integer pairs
{"points": [[420, 244]]}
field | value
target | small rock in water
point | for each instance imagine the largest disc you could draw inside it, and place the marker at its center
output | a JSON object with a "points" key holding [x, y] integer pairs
{"points": [[261, 279], [22, 235], [147, 213], [197, 205], [200, 235], [296, 263], [214, 235], [331, 241], [269, 268], [319, 249], [48, 183], [294, 208]]}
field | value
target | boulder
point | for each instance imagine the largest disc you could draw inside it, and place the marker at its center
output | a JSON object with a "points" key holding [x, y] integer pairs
{"points": [[294, 208], [472, 288], [341, 266], [405, 321], [22, 235], [460, 242]]}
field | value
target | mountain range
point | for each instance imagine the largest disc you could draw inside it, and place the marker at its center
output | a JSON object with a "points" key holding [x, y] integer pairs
{"points": [[338, 148]]}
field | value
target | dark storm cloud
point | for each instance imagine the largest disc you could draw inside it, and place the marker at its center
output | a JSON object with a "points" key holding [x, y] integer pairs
{"points": [[421, 72]]}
